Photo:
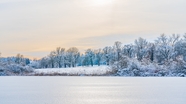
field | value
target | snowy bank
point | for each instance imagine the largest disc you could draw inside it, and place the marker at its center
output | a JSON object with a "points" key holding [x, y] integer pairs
{"points": [[76, 71]]}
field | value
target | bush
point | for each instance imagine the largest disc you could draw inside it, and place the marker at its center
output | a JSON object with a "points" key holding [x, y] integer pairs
{"points": [[133, 67], [14, 69]]}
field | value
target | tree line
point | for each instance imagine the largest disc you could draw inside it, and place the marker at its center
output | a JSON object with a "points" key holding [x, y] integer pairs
{"points": [[166, 55], [164, 49]]}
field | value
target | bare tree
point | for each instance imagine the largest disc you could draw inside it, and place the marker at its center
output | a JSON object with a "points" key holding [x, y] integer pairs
{"points": [[98, 55], [173, 39], [74, 54], [151, 52], [19, 59], [117, 48], [141, 45], [162, 40], [52, 58], [128, 50], [44, 62], [107, 54], [90, 55], [60, 52]]}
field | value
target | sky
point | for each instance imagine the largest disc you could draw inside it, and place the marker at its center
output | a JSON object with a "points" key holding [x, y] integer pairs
{"points": [[36, 27]]}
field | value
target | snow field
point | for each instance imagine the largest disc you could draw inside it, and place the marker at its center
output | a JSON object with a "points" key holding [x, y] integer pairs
{"points": [[95, 70]]}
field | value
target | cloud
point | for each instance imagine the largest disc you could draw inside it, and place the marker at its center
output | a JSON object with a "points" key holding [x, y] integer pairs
{"points": [[105, 40], [43, 25]]}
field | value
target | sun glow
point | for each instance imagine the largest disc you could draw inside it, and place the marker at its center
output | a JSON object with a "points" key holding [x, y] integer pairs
{"points": [[100, 2]]}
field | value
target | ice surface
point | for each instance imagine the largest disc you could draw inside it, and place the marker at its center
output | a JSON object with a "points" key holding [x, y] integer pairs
{"points": [[92, 90]]}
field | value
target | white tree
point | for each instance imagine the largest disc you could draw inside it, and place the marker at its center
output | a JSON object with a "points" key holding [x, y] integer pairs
{"points": [[44, 62], [52, 59], [59, 53], [98, 55], [117, 49], [150, 53], [165, 47], [73, 54], [19, 59], [141, 45], [107, 54], [173, 39], [128, 50], [180, 49], [90, 55]]}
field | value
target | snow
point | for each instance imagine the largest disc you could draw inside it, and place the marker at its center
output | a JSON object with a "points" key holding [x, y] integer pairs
{"points": [[95, 70]]}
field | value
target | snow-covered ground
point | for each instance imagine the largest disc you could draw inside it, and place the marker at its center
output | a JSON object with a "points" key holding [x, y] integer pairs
{"points": [[95, 70]]}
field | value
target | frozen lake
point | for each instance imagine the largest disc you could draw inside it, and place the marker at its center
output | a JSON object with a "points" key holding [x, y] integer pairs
{"points": [[92, 90]]}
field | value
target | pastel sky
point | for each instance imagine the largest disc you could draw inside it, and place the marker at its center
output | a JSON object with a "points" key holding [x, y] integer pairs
{"points": [[36, 27]]}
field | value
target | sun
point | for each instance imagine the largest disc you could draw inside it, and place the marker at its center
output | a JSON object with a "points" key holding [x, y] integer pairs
{"points": [[100, 2]]}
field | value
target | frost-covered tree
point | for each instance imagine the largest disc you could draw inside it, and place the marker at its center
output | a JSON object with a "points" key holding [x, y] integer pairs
{"points": [[165, 47], [27, 61], [90, 55], [165, 56], [59, 56], [85, 60], [44, 62], [173, 39], [117, 49], [107, 54], [73, 54], [52, 59], [19, 59], [128, 50], [163, 53], [180, 49], [141, 45], [162, 40], [98, 56], [150, 52], [0, 56]]}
